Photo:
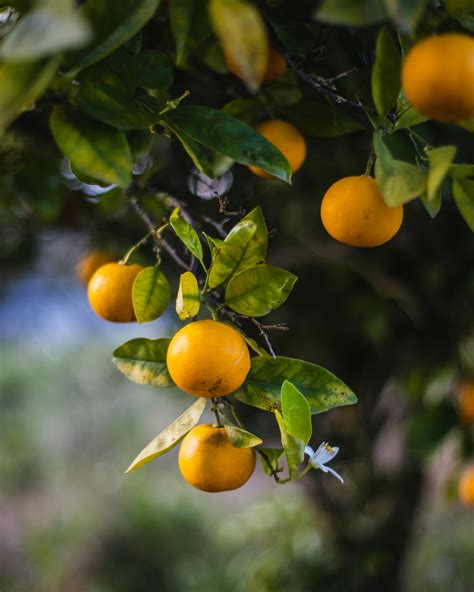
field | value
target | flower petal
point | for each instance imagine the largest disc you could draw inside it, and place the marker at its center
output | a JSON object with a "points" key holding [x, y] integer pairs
{"points": [[309, 451], [333, 472]]}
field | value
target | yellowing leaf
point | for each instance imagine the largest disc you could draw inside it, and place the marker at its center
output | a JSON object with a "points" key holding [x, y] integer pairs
{"points": [[188, 301], [243, 37], [170, 436]]}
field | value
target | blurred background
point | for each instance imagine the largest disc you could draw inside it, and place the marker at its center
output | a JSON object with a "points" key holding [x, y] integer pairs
{"points": [[393, 322], [396, 323]]}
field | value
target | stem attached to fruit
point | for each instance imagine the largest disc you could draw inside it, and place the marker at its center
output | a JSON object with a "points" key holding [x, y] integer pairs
{"points": [[215, 410]]}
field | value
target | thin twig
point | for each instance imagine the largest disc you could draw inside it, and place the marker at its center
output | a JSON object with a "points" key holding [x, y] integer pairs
{"points": [[159, 242], [327, 89]]}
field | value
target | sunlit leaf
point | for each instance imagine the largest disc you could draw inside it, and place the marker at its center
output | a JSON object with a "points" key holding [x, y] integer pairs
{"points": [[292, 446], [240, 438], [186, 233], [433, 205], [463, 193], [150, 294], [170, 436], [188, 300], [296, 412], [229, 136], [228, 257], [144, 361], [440, 160], [262, 387], [386, 72], [98, 150], [243, 37], [399, 182], [258, 290]]}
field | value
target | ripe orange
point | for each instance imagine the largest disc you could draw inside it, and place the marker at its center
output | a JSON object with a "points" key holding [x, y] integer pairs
{"points": [[88, 264], [438, 77], [287, 139], [466, 487], [208, 359], [353, 212], [110, 292], [276, 65], [208, 461], [466, 403]]}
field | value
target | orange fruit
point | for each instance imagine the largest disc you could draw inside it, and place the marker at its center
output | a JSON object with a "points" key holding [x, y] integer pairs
{"points": [[276, 65], [466, 487], [466, 403], [438, 77], [208, 461], [353, 212], [88, 264], [208, 359], [110, 292], [287, 139]]}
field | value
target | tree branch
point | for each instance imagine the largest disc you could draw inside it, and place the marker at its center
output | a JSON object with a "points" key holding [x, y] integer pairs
{"points": [[327, 89]]}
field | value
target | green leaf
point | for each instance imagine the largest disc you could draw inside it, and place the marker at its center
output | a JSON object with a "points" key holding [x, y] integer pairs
{"points": [[229, 136], [262, 387], [386, 72], [320, 119], [170, 436], [461, 171], [194, 151], [140, 142], [43, 32], [96, 149], [399, 182], [296, 412], [240, 438], [243, 37], [150, 294], [292, 446], [114, 23], [228, 257], [406, 13], [186, 233], [188, 300], [403, 184], [440, 160], [144, 361], [432, 206], [273, 455], [190, 25], [104, 95], [357, 13], [21, 84], [245, 246], [407, 116], [463, 193], [154, 70], [247, 110], [256, 291]]}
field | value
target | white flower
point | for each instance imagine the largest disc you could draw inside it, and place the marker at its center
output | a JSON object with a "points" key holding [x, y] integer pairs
{"points": [[323, 455]]}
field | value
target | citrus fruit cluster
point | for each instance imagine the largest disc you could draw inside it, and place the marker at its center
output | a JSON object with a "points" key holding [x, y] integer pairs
{"points": [[438, 81], [205, 359]]}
